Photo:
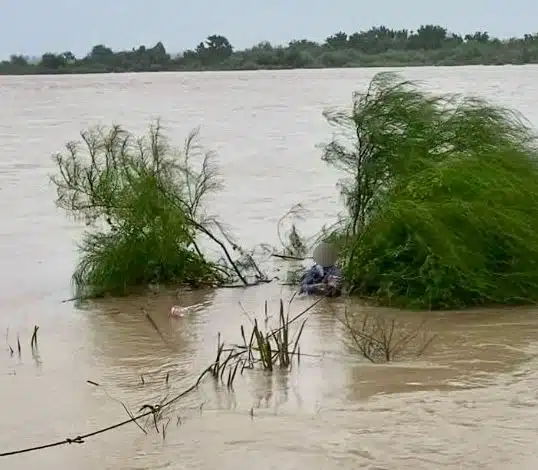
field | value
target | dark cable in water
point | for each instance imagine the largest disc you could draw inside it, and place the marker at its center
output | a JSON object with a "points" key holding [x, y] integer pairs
{"points": [[80, 439]]}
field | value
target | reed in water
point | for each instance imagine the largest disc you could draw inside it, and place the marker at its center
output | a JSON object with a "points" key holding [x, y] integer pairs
{"points": [[441, 198], [275, 347]]}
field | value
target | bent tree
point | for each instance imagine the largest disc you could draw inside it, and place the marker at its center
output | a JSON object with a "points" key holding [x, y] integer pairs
{"points": [[441, 198]]}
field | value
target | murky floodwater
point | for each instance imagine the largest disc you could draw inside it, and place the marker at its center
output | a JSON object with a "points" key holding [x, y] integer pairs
{"points": [[470, 402]]}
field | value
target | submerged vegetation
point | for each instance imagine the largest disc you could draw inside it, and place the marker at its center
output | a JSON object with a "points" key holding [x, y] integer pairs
{"points": [[441, 200], [441, 205], [143, 204], [276, 347], [380, 339], [379, 46]]}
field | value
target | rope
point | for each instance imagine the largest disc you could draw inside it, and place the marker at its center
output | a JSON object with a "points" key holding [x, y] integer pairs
{"points": [[81, 438]]}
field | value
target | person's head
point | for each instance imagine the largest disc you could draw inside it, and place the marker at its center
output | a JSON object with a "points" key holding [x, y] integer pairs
{"points": [[324, 255]]}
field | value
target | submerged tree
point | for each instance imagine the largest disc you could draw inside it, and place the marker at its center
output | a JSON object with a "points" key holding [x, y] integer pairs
{"points": [[143, 204], [441, 199]]}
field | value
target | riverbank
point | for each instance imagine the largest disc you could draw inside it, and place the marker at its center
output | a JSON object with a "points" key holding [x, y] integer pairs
{"points": [[395, 59], [379, 47]]}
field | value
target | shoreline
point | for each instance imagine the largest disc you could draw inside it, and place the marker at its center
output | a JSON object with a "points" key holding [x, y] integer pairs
{"points": [[49, 73], [379, 46]]}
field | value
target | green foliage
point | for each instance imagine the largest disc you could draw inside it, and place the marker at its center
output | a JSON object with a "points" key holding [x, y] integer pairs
{"points": [[115, 263], [378, 47], [441, 199], [142, 202]]}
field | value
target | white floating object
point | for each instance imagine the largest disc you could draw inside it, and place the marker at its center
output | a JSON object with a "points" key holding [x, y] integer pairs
{"points": [[178, 311]]}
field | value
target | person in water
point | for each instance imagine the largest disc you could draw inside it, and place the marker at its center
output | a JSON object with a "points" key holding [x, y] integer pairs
{"points": [[324, 277]]}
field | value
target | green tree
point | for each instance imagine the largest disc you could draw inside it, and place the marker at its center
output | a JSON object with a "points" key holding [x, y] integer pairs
{"points": [[337, 41], [52, 61], [101, 54], [441, 198], [18, 60], [215, 49], [142, 203], [428, 37], [378, 46]]}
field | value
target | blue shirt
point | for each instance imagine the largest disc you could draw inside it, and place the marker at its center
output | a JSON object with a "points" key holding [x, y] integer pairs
{"points": [[317, 275]]}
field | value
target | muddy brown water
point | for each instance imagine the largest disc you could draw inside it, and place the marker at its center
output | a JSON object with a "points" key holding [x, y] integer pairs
{"points": [[470, 402]]}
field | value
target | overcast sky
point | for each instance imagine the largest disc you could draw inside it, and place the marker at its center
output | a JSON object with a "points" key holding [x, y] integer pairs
{"points": [[31, 27]]}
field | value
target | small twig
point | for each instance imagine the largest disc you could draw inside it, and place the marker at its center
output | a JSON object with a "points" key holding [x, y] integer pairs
{"points": [[154, 325], [164, 426], [11, 352], [129, 413], [289, 257], [33, 341]]}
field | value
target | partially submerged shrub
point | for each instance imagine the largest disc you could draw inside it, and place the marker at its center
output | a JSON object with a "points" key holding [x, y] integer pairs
{"points": [[143, 203], [380, 339], [442, 199]]}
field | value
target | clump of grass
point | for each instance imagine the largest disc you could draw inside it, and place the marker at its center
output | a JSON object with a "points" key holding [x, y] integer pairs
{"points": [[142, 201], [441, 200], [270, 349]]}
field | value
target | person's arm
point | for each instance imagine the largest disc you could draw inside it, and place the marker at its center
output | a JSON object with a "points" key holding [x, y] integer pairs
{"points": [[308, 279]]}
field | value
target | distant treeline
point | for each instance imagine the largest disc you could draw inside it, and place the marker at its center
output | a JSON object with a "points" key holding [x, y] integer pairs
{"points": [[377, 47]]}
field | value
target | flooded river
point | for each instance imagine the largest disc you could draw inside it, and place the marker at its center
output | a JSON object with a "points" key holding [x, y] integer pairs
{"points": [[470, 402]]}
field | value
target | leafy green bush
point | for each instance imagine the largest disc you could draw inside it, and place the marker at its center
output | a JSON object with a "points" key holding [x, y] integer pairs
{"points": [[142, 202], [441, 199]]}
